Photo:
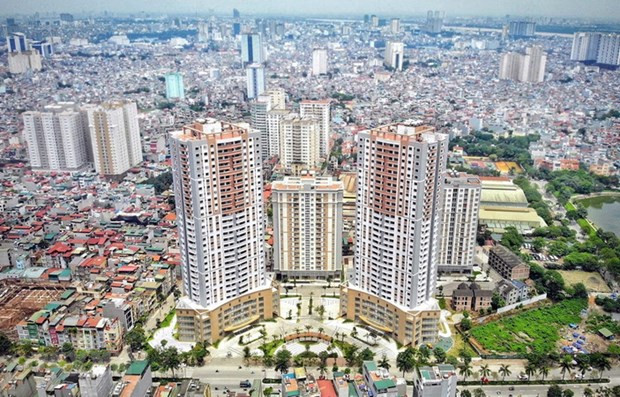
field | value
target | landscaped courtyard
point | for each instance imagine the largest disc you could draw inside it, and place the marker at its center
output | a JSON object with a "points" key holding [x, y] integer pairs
{"points": [[536, 330]]}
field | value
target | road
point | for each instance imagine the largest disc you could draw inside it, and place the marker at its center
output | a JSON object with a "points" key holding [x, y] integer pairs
{"points": [[528, 390]]}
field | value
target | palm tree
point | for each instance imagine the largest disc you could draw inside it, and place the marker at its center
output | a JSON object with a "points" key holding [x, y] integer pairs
{"points": [[504, 371], [297, 330], [544, 371], [405, 361], [322, 368], [384, 363], [465, 370], [308, 327], [530, 369], [485, 372], [587, 392], [336, 335], [566, 364], [601, 363], [321, 329]]}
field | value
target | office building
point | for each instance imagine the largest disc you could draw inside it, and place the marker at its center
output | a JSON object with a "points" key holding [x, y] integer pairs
{"points": [[203, 32], [319, 61], [299, 141], [609, 49], [401, 171], [307, 221], [394, 55], [434, 22], [236, 13], [258, 121], [22, 62], [57, 138], [96, 382], [508, 264], [528, 67], [174, 86], [114, 137], [17, 42], [436, 381], [395, 25], [585, 46], [320, 109], [517, 29], [251, 48], [255, 75], [217, 175], [460, 223]]}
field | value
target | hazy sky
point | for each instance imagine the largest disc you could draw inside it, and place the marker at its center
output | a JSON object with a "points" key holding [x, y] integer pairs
{"points": [[556, 8]]}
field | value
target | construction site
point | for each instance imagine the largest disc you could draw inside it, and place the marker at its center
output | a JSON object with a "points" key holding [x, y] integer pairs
{"points": [[19, 300]]}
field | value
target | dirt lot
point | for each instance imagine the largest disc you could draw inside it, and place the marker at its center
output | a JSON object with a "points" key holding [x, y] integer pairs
{"points": [[592, 280]]}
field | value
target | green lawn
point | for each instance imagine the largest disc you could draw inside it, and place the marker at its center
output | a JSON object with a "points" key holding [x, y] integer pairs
{"points": [[531, 331], [167, 319]]}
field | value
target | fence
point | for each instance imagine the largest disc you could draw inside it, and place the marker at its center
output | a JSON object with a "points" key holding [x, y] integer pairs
{"points": [[526, 302]]}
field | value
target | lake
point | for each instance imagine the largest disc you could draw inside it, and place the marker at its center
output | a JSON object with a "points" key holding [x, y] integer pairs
{"points": [[604, 212]]}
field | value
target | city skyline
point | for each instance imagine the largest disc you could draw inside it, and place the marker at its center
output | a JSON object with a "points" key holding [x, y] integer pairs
{"points": [[598, 9]]}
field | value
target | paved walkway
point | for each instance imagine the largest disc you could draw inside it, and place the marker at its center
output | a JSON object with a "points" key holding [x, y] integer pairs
{"points": [[167, 334]]}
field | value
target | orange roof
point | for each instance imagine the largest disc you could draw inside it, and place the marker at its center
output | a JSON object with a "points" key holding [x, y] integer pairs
{"points": [[170, 217]]}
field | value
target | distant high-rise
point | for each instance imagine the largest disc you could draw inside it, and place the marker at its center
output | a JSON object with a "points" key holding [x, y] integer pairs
{"points": [[217, 173], [521, 29], [401, 171], [258, 121], [434, 22], [394, 55], [609, 49], [299, 141], [277, 97], [528, 67], [203, 32], [114, 136], [602, 48], [236, 28], [319, 61], [57, 138], [174, 86], [585, 46], [236, 13], [44, 48], [17, 42], [255, 80], [66, 17], [395, 25], [320, 109], [251, 48], [274, 118], [460, 223], [374, 21], [22, 62], [307, 222]]}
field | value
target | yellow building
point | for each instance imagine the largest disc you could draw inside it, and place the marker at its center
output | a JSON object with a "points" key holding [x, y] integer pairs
{"points": [[408, 326], [197, 323]]}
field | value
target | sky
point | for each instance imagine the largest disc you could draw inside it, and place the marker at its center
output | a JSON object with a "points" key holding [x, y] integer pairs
{"points": [[604, 9]]}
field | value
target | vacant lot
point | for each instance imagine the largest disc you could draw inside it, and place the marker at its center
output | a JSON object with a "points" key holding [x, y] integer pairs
{"points": [[592, 280], [534, 330], [505, 166]]}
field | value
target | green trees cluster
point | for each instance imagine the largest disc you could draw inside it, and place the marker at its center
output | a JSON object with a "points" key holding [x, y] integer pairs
{"points": [[566, 183], [168, 358], [161, 182], [535, 199], [510, 149]]}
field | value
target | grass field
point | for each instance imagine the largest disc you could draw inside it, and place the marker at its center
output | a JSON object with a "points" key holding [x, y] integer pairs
{"points": [[592, 280], [530, 331]]}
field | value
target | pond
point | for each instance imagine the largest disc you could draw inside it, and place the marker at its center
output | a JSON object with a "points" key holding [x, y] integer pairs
{"points": [[604, 212]]}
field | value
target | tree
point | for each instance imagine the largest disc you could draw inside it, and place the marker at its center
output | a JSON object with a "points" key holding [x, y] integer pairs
{"points": [[365, 355], [136, 338], [530, 370], [504, 371], [580, 291], [554, 391], [544, 371], [440, 354], [350, 354], [465, 370], [282, 360], [68, 351], [5, 344], [384, 363], [465, 393], [566, 365], [24, 348], [587, 392], [601, 363], [405, 361], [479, 393], [485, 372], [465, 324], [539, 244], [497, 301], [512, 239], [246, 353], [568, 393], [170, 360]]}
